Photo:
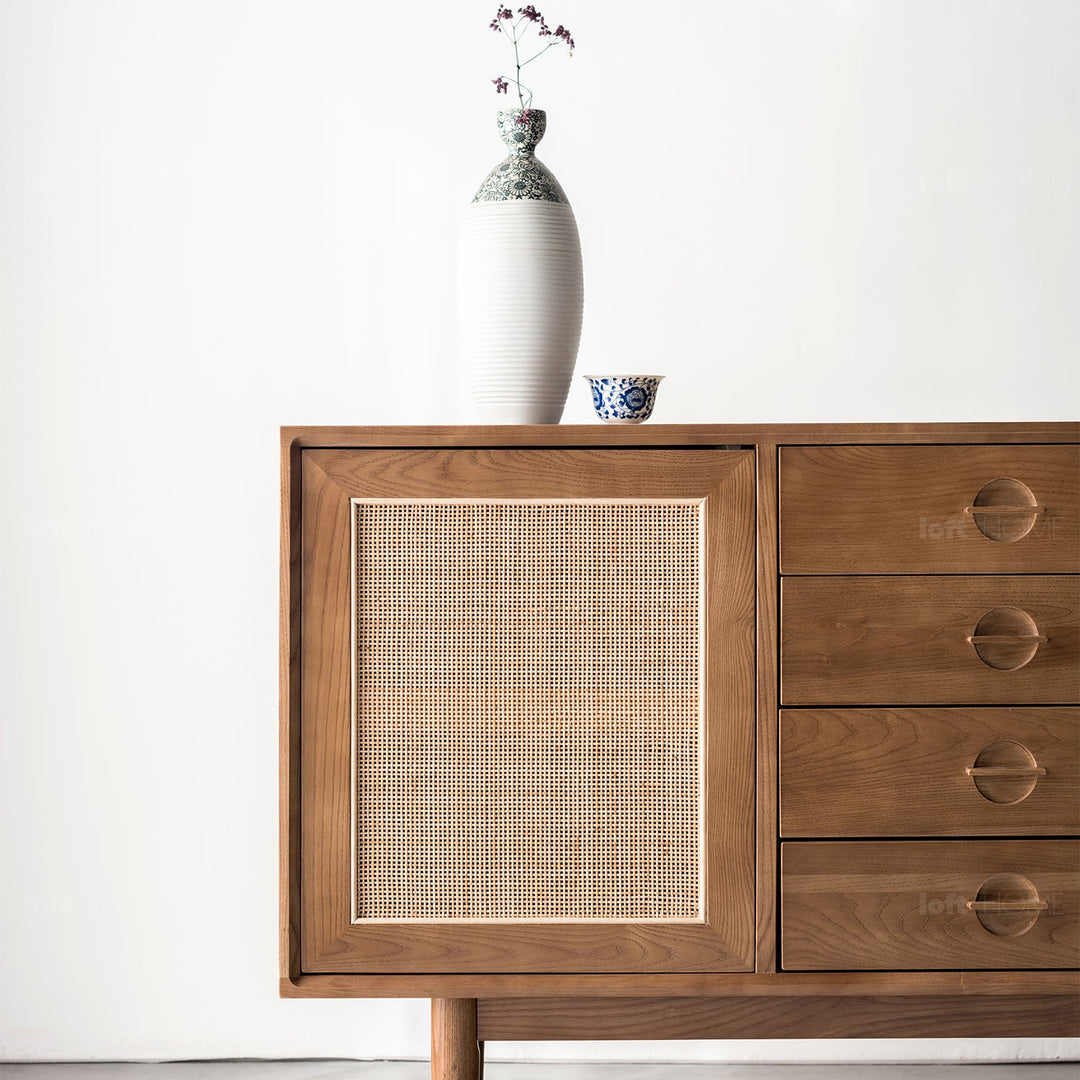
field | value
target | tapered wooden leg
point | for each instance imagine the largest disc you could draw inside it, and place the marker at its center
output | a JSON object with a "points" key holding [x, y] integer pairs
{"points": [[455, 1052]]}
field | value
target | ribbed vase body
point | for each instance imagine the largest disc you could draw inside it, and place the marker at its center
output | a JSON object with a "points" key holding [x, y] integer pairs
{"points": [[520, 284]]}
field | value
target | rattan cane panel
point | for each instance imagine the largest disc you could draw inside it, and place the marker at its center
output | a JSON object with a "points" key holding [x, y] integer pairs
{"points": [[527, 710]]}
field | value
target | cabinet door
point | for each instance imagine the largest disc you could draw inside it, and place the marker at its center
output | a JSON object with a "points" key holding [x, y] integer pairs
{"points": [[526, 710]]}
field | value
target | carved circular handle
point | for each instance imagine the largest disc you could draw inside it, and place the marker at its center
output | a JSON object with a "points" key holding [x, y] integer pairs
{"points": [[1006, 638], [1005, 773], [1005, 510], [1007, 905]]}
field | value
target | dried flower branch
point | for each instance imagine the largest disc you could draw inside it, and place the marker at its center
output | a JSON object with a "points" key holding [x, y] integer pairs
{"points": [[515, 29]]}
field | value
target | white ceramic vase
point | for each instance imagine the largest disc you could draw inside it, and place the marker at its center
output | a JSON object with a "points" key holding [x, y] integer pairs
{"points": [[520, 284]]}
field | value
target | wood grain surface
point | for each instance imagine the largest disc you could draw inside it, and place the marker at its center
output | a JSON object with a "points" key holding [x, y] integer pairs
{"points": [[821, 1017], [691, 984], [289, 717], [903, 640], [903, 904], [904, 509], [724, 939], [456, 1053], [903, 772], [701, 435], [767, 743]]}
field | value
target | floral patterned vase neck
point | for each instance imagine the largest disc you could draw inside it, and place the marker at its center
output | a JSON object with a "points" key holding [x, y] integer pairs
{"points": [[521, 176], [521, 129]]}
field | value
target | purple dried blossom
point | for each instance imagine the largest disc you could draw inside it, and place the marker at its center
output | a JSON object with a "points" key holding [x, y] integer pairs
{"points": [[515, 31], [502, 13], [525, 116], [533, 15]]}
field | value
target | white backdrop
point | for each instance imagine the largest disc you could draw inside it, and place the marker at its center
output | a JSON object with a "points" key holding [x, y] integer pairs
{"points": [[220, 216]]}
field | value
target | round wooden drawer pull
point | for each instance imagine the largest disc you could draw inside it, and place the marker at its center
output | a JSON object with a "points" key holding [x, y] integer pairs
{"points": [[1006, 638], [1004, 509], [1007, 905], [1005, 770], [983, 639]]}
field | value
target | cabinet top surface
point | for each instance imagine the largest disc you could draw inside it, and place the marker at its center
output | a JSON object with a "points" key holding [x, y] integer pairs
{"points": [[586, 435]]}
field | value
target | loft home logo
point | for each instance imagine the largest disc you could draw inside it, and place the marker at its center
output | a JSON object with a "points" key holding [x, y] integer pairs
{"points": [[951, 528]]}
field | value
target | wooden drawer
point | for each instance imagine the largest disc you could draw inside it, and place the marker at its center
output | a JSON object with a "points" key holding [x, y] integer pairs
{"points": [[904, 905], [914, 509], [908, 640], [929, 772]]}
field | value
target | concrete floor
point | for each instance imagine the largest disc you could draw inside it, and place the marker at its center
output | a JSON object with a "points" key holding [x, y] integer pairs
{"points": [[419, 1070]]}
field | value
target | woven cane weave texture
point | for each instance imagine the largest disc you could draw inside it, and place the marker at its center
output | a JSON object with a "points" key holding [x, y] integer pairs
{"points": [[527, 710]]}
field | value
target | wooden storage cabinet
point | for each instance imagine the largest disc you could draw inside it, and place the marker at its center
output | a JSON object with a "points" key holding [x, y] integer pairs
{"points": [[566, 711]]}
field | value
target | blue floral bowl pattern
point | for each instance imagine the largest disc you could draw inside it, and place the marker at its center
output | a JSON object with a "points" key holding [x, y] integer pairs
{"points": [[623, 399]]}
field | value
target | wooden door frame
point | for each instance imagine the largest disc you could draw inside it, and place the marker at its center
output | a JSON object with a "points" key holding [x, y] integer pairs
{"points": [[724, 482]]}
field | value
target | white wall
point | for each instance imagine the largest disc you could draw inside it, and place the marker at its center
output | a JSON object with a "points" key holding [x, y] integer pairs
{"points": [[219, 216]]}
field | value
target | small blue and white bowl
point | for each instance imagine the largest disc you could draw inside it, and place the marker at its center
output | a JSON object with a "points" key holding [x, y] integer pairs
{"points": [[623, 399]]}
